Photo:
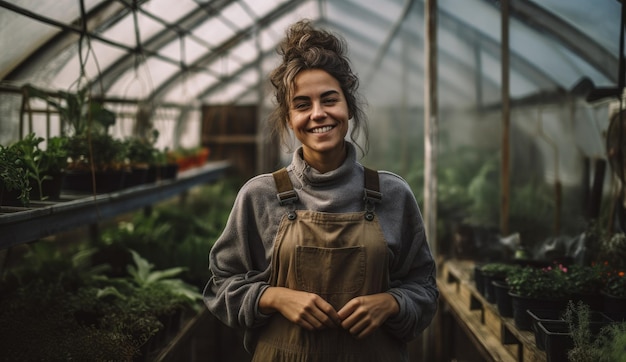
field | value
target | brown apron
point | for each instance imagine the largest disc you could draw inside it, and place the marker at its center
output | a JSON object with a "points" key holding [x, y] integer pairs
{"points": [[339, 257]]}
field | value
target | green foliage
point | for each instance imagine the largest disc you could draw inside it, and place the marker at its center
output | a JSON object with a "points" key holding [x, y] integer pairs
{"points": [[40, 164], [144, 277], [608, 346], [98, 149], [182, 235], [55, 156], [613, 249], [578, 319], [38, 325], [499, 270], [70, 302], [141, 151], [551, 282], [53, 302], [13, 174], [586, 279], [32, 156], [612, 343], [78, 112], [616, 285]]}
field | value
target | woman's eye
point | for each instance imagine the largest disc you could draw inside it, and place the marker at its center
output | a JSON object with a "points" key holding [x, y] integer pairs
{"points": [[330, 101]]}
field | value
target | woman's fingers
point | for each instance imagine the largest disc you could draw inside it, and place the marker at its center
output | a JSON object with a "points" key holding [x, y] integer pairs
{"points": [[307, 310]]}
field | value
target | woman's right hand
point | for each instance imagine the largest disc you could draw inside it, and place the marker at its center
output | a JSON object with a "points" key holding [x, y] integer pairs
{"points": [[308, 310]]}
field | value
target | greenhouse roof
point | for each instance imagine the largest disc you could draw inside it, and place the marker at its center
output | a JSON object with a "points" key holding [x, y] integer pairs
{"points": [[220, 51]]}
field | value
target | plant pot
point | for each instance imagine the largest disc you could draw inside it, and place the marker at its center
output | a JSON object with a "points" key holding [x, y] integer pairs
{"points": [[10, 198], [479, 280], [136, 176], [490, 290], [168, 172], [151, 175], [597, 320], [614, 306], [522, 303], [556, 339], [50, 187], [595, 301], [106, 181], [503, 299], [540, 315]]}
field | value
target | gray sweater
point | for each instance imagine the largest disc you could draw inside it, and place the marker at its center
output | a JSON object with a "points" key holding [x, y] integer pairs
{"points": [[240, 260]]}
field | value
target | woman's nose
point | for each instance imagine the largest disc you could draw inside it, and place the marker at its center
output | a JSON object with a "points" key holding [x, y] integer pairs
{"points": [[318, 111]]}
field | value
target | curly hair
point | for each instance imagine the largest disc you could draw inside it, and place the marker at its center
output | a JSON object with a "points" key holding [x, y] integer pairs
{"points": [[305, 47]]}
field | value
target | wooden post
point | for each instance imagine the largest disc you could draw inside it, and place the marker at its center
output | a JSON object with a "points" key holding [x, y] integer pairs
{"points": [[430, 147], [430, 123]]}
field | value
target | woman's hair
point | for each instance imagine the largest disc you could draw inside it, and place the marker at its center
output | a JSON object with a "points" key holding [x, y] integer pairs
{"points": [[305, 47]]}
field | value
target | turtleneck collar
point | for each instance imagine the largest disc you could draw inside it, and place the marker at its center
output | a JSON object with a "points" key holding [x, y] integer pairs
{"points": [[310, 176]]}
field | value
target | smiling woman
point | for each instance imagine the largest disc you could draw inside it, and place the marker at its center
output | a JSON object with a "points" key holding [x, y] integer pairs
{"points": [[318, 117], [376, 290]]}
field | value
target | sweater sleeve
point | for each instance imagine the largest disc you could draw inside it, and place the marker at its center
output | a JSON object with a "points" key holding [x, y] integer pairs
{"points": [[412, 271], [239, 261]]}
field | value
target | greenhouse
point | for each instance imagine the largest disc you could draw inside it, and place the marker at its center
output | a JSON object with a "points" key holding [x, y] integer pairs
{"points": [[200, 180]]}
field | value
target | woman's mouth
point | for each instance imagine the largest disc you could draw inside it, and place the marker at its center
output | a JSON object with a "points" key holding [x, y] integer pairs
{"points": [[322, 129]]}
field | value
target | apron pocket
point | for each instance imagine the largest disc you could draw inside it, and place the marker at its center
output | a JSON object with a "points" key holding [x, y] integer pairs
{"points": [[326, 271]]}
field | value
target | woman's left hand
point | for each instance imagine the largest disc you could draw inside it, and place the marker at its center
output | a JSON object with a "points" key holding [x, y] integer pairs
{"points": [[362, 315]]}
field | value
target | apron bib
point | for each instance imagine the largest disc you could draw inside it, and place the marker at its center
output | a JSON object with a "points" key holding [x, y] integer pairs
{"points": [[338, 257]]}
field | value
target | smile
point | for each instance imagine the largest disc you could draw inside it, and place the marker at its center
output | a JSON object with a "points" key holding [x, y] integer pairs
{"points": [[322, 129]]}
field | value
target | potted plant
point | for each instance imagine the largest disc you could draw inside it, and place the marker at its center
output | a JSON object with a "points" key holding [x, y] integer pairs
{"points": [[45, 168], [614, 295], [142, 156], [613, 257], [495, 271], [95, 158], [90, 148], [14, 184], [586, 283], [497, 287], [537, 288], [167, 167]]}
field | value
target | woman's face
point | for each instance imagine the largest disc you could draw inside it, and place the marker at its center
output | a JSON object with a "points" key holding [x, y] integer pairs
{"points": [[318, 116]]}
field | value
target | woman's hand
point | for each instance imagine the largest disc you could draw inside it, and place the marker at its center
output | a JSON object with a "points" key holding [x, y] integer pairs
{"points": [[361, 316], [308, 310]]}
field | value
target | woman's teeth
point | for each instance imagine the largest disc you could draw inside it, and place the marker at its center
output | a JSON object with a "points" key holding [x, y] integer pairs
{"points": [[322, 129]]}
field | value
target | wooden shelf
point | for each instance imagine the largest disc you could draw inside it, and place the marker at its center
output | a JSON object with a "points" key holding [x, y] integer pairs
{"points": [[22, 225], [495, 337]]}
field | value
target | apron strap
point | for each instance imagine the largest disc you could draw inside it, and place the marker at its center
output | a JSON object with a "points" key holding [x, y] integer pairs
{"points": [[372, 186], [372, 192], [286, 194]]}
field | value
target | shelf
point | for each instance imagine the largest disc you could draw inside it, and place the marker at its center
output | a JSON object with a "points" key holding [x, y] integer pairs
{"points": [[22, 225], [496, 337]]}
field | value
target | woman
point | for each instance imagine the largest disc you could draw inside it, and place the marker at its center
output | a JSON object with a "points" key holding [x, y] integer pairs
{"points": [[324, 260]]}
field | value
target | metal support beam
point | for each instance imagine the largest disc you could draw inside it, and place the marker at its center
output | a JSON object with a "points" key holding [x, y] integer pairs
{"points": [[382, 51], [506, 115]]}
